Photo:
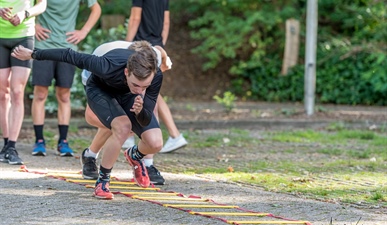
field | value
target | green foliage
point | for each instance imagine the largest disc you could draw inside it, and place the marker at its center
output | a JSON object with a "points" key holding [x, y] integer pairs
{"points": [[115, 7], [99, 36], [250, 35], [227, 101]]}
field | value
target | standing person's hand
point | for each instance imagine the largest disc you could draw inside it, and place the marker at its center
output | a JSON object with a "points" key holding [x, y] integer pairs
{"points": [[22, 53], [18, 18], [137, 105], [6, 13], [76, 36], [41, 33]]}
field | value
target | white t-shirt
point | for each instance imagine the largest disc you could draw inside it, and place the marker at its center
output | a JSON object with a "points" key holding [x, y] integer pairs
{"points": [[106, 47]]}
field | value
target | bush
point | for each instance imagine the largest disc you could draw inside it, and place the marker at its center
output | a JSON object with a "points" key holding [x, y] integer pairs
{"points": [[351, 54]]}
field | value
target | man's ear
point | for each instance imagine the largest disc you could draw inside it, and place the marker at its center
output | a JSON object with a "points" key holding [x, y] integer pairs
{"points": [[126, 71]]}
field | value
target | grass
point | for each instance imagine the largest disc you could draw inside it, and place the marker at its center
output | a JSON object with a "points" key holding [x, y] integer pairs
{"points": [[336, 165]]}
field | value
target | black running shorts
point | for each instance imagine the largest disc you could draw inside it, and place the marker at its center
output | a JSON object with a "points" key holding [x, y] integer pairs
{"points": [[43, 72], [6, 47], [109, 105]]}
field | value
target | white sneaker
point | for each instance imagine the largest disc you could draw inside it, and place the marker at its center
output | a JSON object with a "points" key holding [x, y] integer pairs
{"points": [[173, 144], [129, 142]]}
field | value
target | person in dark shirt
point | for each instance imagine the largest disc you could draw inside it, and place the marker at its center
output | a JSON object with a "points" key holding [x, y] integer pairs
{"points": [[150, 21], [121, 95]]}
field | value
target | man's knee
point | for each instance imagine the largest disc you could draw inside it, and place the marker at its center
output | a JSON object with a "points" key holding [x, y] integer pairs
{"points": [[154, 144]]}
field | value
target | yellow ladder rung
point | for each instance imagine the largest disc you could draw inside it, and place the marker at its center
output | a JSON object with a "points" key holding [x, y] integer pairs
{"points": [[64, 175], [166, 198], [132, 188], [126, 187], [61, 171], [200, 206], [93, 181], [231, 213], [267, 222], [139, 193], [80, 181]]}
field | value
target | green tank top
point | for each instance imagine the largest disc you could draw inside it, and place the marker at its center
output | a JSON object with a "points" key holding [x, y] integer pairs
{"points": [[26, 28]]}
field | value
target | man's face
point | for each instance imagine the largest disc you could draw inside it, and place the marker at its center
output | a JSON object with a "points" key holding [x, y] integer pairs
{"points": [[137, 86]]}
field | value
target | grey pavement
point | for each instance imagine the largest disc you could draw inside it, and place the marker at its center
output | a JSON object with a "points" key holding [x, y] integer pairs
{"points": [[29, 198]]}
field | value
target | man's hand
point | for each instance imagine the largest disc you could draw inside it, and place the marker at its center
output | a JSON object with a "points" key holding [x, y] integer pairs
{"points": [[22, 53], [18, 18], [41, 33], [137, 105], [6, 13], [76, 36]]}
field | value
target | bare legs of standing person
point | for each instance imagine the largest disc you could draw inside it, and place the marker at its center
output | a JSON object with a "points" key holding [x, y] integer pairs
{"points": [[175, 139], [12, 82]]}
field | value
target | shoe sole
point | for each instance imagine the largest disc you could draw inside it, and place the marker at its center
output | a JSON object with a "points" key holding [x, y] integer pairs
{"points": [[15, 163], [89, 178], [39, 153], [157, 183], [172, 150], [67, 154], [102, 197]]}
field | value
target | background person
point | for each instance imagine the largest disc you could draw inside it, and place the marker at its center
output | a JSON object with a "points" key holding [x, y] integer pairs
{"points": [[55, 28], [17, 27], [149, 20]]}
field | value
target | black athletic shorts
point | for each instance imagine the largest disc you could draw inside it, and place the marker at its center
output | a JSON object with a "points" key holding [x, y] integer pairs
{"points": [[6, 47], [108, 106], [43, 72]]}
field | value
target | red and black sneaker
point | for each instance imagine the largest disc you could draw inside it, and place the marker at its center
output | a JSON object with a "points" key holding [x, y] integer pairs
{"points": [[140, 174]]}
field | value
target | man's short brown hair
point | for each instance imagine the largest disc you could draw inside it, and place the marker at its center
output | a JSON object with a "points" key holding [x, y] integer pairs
{"points": [[143, 62]]}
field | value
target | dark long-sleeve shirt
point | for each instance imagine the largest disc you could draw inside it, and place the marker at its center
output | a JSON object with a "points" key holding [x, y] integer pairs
{"points": [[108, 74]]}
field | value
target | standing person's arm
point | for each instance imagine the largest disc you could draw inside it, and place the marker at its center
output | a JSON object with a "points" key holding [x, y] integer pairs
{"points": [[165, 31], [38, 8], [78, 35], [134, 22], [35, 10]]}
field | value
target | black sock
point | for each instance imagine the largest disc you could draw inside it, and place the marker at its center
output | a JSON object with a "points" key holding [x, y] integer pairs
{"points": [[5, 141], [11, 144], [104, 174], [38, 132], [63, 129], [136, 154]]}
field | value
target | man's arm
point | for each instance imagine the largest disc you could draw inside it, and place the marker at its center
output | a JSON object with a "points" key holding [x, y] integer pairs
{"points": [[78, 35], [95, 64], [134, 23], [165, 32]]}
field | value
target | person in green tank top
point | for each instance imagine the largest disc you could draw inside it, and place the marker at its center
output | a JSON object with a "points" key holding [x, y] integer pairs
{"points": [[17, 26], [56, 28]]}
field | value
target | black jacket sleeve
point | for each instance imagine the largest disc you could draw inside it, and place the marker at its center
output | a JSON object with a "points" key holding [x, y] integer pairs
{"points": [[95, 64]]}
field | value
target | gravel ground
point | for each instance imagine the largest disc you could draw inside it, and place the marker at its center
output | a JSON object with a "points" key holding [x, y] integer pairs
{"points": [[29, 198]]}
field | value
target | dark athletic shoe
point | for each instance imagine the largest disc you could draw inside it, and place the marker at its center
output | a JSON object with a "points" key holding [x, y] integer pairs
{"points": [[13, 157], [89, 167], [2, 155], [155, 176]]}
